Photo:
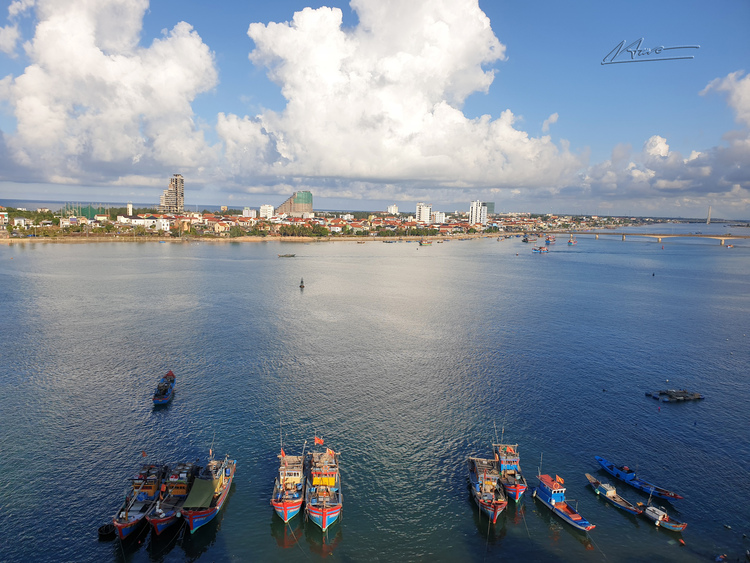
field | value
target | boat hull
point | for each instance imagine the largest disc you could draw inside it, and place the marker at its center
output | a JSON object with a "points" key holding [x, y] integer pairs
{"points": [[287, 509], [125, 529], [491, 509], [633, 481], [164, 400], [582, 524], [198, 518], [324, 517], [161, 523], [615, 500]]}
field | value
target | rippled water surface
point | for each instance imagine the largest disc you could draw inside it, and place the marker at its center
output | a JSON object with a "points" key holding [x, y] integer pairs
{"points": [[403, 358]]}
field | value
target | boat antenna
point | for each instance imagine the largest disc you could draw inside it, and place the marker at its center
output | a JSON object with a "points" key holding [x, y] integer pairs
{"points": [[495, 425], [539, 469], [211, 449]]}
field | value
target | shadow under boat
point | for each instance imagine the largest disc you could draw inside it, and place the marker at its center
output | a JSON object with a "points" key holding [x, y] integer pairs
{"points": [[320, 542], [286, 535]]}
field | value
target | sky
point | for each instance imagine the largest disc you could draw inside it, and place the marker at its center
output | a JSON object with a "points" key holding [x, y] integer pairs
{"points": [[377, 102]]}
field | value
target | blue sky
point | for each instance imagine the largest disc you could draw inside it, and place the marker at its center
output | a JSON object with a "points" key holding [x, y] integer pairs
{"points": [[376, 102]]}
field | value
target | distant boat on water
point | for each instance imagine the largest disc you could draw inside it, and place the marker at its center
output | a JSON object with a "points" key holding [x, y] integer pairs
{"points": [[287, 255], [302, 283], [661, 519], [164, 389], [624, 473], [425, 242], [609, 493]]}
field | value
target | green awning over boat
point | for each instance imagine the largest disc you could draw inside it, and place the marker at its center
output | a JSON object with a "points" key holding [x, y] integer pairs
{"points": [[201, 493]]}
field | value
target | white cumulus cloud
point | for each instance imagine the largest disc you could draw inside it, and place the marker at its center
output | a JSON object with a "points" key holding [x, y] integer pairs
{"points": [[93, 103], [549, 121], [383, 101]]}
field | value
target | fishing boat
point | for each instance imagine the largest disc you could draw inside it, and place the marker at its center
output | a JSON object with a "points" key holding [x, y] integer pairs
{"points": [[323, 498], [572, 241], [624, 473], [174, 490], [140, 499], [209, 492], [511, 477], [287, 255], [550, 239], [540, 249], [164, 389], [486, 490], [609, 493], [552, 494], [288, 489], [661, 519], [425, 242]]}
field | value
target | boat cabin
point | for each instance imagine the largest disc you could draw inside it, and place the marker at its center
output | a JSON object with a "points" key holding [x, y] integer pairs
{"points": [[554, 488]]}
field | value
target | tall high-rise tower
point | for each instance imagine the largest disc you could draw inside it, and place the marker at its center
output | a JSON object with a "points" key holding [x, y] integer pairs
{"points": [[173, 198], [424, 213], [477, 213]]}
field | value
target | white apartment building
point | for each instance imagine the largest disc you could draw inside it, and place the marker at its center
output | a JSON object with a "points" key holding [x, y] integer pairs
{"points": [[477, 213], [438, 217], [393, 209], [266, 211], [247, 212], [423, 213]]}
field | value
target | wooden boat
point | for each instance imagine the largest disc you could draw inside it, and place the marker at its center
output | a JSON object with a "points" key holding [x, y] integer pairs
{"points": [[486, 489], [425, 242], [209, 492], [540, 249], [552, 494], [624, 473], [323, 498], [174, 490], [511, 477], [287, 255], [288, 489], [164, 389], [609, 493], [140, 500], [662, 520], [572, 241]]}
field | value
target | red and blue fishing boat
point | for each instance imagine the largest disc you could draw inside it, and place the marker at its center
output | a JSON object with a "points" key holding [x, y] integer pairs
{"points": [[288, 489], [209, 492], [140, 500], [624, 473], [174, 493], [486, 490], [164, 389], [511, 477], [609, 493], [323, 497], [552, 494]]}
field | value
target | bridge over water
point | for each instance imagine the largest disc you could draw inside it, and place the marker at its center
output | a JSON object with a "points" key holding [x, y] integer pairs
{"points": [[659, 236]]}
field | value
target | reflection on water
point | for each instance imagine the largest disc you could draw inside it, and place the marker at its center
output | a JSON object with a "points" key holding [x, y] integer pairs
{"points": [[323, 543], [286, 535]]}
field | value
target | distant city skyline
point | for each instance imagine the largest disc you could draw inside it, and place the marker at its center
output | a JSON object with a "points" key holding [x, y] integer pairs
{"points": [[372, 103]]}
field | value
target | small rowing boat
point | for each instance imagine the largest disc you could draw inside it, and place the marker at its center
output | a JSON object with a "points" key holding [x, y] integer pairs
{"points": [[552, 494], [609, 493], [624, 473], [164, 389], [662, 520], [486, 489]]}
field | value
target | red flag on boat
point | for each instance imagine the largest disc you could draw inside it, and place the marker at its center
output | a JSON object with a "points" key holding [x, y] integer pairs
{"points": [[282, 453], [330, 452], [560, 479], [318, 441]]}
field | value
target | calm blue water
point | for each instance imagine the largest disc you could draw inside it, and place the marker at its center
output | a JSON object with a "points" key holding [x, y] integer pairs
{"points": [[402, 358]]}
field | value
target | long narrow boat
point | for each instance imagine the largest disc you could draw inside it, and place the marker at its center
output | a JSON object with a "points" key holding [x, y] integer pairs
{"points": [[174, 489], [511, 477], [662, 519], [208, 493], [288, 489], [140, 499], [486, 489], [624, 473], [609, 493], [552, 494], [164, 389], [323, 498]]}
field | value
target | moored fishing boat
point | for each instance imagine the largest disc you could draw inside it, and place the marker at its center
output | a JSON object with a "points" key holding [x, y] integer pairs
{"points": [[572, 241], [288, 490], [323, 497], [540, 249], [662, 520], [552, 494], [425, 242], [174, 489], [486, 490], [164, 389], [209, 492], [609, 493], [140, 500], [624, 473], [511, 477]]}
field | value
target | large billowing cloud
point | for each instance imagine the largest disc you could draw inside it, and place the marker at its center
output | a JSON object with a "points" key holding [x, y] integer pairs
{"points": [[94, 104], [382, 102]]}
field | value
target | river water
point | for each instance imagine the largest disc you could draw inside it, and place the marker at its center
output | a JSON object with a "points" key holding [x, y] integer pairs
{"points": [[404, 359]]}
